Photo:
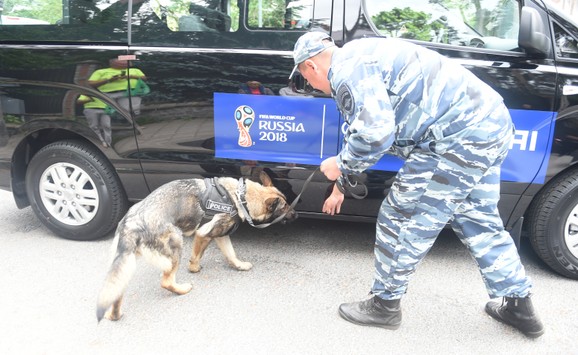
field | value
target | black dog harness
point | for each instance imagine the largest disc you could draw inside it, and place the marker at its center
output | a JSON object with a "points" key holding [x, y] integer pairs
{"points": [[216, 200]]}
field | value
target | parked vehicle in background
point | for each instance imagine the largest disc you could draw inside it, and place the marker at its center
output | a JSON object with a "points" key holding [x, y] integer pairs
{"points": [[193, 113]]}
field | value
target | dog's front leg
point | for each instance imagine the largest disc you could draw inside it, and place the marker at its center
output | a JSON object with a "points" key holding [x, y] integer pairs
{"points": [[226, 247]]}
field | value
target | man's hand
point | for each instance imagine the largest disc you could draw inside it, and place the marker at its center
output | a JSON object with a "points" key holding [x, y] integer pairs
{"points": [[333, 203], [330, 169]]}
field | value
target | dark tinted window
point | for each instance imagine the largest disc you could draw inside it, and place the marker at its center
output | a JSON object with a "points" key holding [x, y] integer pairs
{"points": [[187, 23], [65, 20], [265, 24], [280, 14]]}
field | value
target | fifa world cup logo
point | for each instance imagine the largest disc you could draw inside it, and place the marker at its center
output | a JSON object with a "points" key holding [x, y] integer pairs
{"points": [[245, 116]]}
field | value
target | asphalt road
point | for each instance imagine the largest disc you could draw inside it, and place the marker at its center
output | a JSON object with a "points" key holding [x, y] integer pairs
{"points": [[287, 304]]}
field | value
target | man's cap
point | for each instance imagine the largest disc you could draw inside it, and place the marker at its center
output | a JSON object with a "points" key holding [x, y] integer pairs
{"points": [[308, 45]]}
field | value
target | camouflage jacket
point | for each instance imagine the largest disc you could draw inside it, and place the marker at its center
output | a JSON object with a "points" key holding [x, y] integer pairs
{"points": [[396, 95]]}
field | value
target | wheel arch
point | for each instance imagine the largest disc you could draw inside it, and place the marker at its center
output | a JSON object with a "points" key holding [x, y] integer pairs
{"points": [[544, 233], [28, 147], [539, 191]]}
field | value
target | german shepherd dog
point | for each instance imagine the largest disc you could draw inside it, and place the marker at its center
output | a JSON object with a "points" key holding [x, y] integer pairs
{"points": [[154, 228]]}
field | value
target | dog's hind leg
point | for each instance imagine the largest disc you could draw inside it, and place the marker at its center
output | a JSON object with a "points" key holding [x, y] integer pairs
{"points": [[199, 246], [224, 243], [173, 245], [114, 313], [121, 271], [169, 282]]}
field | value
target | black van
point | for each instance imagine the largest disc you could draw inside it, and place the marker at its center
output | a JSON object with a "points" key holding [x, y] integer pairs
{"points": [[199, 88]]}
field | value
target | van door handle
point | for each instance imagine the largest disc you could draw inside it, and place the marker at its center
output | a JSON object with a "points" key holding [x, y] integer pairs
{"points": [[501, 65], [568, 90]]}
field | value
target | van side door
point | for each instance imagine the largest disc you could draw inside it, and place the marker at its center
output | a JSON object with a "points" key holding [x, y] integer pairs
{"points": [[209, 58]]}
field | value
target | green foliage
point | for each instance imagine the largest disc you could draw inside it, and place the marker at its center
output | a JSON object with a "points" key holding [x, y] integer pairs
{"points": [[45, 10], [12, 119], [272, 13], [404, 23]]}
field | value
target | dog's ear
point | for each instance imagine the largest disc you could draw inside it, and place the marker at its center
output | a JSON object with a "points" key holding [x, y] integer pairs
{"points": [[265, 179], [272, 204]]}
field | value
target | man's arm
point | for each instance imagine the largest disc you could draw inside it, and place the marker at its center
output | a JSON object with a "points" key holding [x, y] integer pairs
{"points": [[372, 129]]}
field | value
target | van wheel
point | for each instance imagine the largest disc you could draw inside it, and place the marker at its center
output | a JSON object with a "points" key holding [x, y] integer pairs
{"points": [[553, 224], [75, 191]]}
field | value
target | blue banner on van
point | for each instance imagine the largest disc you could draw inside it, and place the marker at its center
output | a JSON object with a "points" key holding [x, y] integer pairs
{"points": [[275, 128], [303, 130]]}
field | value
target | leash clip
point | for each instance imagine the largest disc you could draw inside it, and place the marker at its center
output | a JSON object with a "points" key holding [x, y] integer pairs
{"points": [[345, 186]]}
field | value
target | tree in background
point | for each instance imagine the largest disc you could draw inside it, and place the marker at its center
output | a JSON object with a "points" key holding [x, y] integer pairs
{"points": [[271, 14], [405, 23], [45, 10]]}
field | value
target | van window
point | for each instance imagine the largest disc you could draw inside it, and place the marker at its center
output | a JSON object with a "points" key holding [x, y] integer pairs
{"points": [[280, 14], [64, 20], [187, 23], [197, 15], [492, 24], [566, 45], [25, 12]]}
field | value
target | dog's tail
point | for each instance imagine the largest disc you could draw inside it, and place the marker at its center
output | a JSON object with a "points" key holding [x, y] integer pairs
{"points": [[119, 274]]}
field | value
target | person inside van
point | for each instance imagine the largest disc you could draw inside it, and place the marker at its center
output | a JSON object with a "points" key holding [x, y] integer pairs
{"points": [[253, 87], [453, 131]]}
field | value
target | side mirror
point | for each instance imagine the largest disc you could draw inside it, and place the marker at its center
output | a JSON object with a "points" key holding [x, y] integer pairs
{"points": [[534, 35]]}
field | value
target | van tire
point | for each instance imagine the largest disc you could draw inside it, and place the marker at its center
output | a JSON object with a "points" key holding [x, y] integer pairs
{"points": [[74, 190], [552, 218]]}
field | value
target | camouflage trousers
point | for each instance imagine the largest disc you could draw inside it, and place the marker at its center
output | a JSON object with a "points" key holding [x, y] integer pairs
{"points": [[453, 179]]}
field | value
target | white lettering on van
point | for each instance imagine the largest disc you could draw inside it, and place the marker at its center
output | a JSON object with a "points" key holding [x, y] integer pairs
{"points": [[526, 140], [276, 131], [281, 126]]}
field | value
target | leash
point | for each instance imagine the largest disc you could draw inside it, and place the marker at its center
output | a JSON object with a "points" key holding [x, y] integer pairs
{"points": [[344, 184]]}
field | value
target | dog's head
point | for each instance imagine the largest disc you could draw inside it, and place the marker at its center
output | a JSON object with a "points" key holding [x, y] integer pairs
{"points": [[266, 203]]}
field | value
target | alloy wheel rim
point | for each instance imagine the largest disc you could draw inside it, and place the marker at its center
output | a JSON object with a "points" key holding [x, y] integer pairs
{"points": [[69, 194], [571, 232]]}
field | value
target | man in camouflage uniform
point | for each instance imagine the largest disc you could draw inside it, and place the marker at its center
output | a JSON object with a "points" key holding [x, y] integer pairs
{"points": [[453, 131]]}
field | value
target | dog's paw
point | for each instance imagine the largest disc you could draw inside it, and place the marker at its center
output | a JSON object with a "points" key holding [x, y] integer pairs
{"points": [[179, 289], [194, 267], [184, 288], [244, 266], [113, 316]]}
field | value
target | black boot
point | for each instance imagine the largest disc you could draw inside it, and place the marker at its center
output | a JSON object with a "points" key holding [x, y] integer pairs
{"points": [[374, 312], [519, 313]]}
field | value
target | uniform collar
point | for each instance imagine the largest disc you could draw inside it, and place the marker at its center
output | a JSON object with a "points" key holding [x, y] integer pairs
{"points": [[329, 76]]}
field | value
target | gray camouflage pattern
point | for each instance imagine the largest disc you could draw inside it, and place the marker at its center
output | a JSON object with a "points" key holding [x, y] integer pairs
{"points": [[454, 132]]}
